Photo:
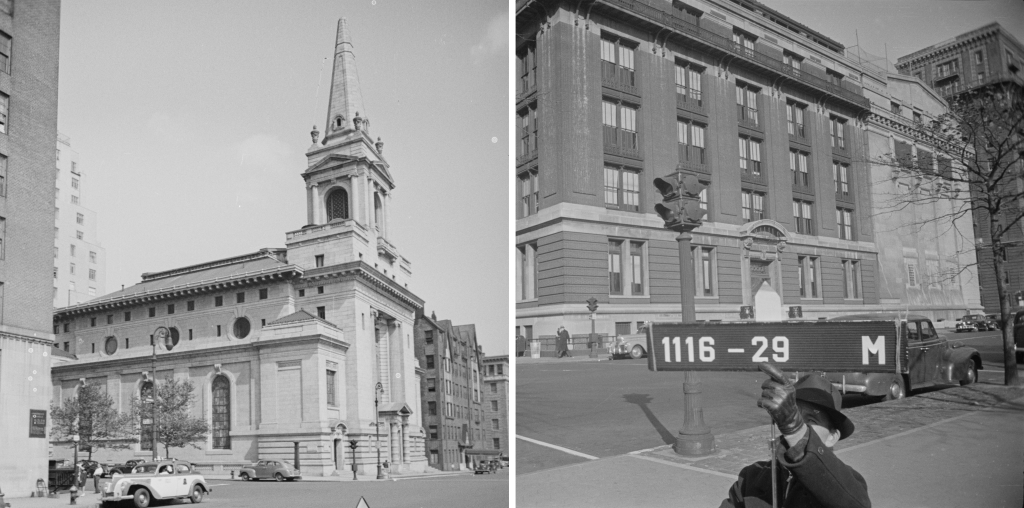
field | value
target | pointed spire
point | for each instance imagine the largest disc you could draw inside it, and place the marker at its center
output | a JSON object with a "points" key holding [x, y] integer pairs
{"points": [[345, 99]]}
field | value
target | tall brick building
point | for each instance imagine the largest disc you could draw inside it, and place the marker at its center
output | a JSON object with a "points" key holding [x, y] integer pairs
{"points": [[451, 391], [985, 57], [286, 347], [770, 114], [496, 390], [29, 45], [79, 261]]}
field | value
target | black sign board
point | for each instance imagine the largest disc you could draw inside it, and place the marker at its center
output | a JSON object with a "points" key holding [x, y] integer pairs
{"points": [[37, 423], [834, 346]]}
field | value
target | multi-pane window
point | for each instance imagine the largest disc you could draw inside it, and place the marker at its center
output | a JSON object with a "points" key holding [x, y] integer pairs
{"points": [[851, 279], [792, 61], [617, 61], [895, 108], [80, 218], [753, 205], [746, 103], [795, 119], [705, 270], [807, 275], [947, 69], [620, 126], [802, 217], [978, 58], [528, 131], [146, 423], [621, 188], [92, 274], [5, 53], [74, 183], [626, 267], [529, 271], [841, 176], [798, 166], [527, 67], [688, 82], [750, 156], [74, 200], [704, 197], [837, 128], [691, 141], [529, 193], [834, 77], [743, 42], [844, 220], [332, 399], [3, 175], [221, 429], [5, 102]]}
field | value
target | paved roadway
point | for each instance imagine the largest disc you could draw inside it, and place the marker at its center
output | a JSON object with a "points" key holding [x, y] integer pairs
{"points": [[570, 412], [456, 491]]}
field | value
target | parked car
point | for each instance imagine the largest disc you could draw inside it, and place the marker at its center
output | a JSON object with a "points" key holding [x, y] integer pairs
{"points": [[89, 466], [965, 326], [111, 469], [1018, 334], [160, 480], [630, 346], [993, 320], [485, 467], [277, 469], [929, 359], [980, 322]]}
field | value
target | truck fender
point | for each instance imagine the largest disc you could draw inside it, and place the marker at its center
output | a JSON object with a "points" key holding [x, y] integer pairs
{"points": [[958, 361]]}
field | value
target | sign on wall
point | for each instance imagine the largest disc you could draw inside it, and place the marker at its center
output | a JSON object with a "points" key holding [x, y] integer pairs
{"points": [[37, 423], [834, 346]]}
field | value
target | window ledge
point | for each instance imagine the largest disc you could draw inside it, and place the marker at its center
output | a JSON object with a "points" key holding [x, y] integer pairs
{"points": [[528, 300], [853, 299], [714, 297], [220, 451], [802, 299], [628, 296]]}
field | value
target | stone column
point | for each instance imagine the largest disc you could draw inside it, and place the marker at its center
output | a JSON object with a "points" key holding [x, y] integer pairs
{"points": [[314, 210]]}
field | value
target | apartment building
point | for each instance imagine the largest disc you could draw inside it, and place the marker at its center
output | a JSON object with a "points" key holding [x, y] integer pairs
{"points": [[770, 114], [79, 261], [496, 399]]}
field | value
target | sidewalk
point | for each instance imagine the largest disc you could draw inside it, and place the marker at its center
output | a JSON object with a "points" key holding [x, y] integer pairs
{"points": [[955, 447], [581, 355]]}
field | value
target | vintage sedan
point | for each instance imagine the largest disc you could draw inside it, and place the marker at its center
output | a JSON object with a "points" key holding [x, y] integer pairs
{"points": [[110, 469], [149, 481], [630, 346], [277, 469]]}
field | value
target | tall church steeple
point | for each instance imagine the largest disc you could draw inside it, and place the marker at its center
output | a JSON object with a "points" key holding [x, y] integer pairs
{"points": [[345, 110]]}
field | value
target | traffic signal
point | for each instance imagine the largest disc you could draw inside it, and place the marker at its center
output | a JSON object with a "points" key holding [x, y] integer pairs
{"points": [[678, 184], [680, 212]]}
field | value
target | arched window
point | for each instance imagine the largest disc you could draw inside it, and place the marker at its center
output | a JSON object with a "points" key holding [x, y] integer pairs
{"points": [[337, 205], [221, 413], [378, 212], [146, 434]]}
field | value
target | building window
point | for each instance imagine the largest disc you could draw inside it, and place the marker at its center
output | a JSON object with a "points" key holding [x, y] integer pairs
{"points": [[92, 291], [80, 218], [753, 205], [851, 279], [79, 235], [67, 327], [240, 297], [428, 336], [110, 320], [978, 58], [688, 83], [705, 271], [331, 397], [807, 273], [844, 219], [74, 200], [691, 141], [626, 268], [5, 102], [840, 174], [837, 128], [496, 443], [528, 131], [802, 216], [152, 312], [92, 321], [321, 312], [3, 175], [621, 188], [302, 292], [895, 108], [704, 204], [617, 61], [529, 193], [431, 385], [218, 330], [743, 42], [5, 53], [170, 308], [337, 204], [318, 260], [792, 61], [218, 301], [834, 77], [432, 410], [146, 423], [72, 268], [750, 156], [746, 103], [947, 69], [74, 182], [92, 274], [241, 328], [430, 361], [190, 305], [494, 387], [798, 166], [494, 405], [529, 271], [221, 430], [526, 66], [620, 131], [495, 424], [795, 119], [92, 257]]}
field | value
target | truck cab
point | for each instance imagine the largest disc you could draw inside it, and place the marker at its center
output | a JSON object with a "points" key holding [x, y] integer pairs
{"points": [[924, 358]]}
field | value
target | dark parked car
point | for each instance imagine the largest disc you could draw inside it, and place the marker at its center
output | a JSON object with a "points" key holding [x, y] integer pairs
{"points": [[980, 322], [486, 467], [125, 468], [277, 469], [993, 320], [1018, 334]]}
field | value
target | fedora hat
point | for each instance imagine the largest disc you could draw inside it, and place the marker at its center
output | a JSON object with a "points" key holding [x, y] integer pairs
{"points": [[816, 390]]}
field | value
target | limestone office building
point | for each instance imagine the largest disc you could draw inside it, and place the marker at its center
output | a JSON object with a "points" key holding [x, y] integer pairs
{"points": [[780, 122], [285, 347]]}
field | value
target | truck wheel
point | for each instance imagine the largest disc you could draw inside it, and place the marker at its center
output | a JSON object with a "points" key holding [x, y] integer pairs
{"points": [[197, 495], [142, 498], [636, 352], [897, 390], [244, 477], [972, 375]]}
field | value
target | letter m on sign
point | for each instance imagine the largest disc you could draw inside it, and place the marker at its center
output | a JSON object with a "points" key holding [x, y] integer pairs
{"points": [[877, 347]]}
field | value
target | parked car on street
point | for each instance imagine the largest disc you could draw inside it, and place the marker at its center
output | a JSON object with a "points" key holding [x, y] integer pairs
{"points": [[110, 469], [486, 467], [629, 346], [160, 480], [1018, 334], [927, 359], [965, 326], [277, 469], [993, 320], [980, 322]]}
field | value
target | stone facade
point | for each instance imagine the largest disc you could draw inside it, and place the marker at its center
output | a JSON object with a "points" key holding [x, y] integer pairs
{"points": [[496, 392], [29, 37], [294, 353], [79, 261]]}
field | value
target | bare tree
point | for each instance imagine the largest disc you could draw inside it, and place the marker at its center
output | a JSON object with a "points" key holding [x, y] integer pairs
{"points": [[979, 150]]}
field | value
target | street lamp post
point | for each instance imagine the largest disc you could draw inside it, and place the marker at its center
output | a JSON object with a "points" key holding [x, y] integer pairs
{"points": [[379, 389], [74, 484], [159, 335], [592, 307], [352, 444]]}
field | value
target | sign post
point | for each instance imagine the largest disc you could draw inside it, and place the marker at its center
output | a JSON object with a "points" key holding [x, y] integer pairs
{"points": [[36, 423], [592, 307]]}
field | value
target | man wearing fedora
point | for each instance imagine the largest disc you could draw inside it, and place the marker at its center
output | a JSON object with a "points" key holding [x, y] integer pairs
{"points": [[809, 473]]}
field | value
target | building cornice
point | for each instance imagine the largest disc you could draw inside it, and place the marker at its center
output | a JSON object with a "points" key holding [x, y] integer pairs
{"points": [[361, 270]]}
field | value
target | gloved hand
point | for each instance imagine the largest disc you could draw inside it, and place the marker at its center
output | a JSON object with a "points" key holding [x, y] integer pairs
{"points": [[778, 397]]}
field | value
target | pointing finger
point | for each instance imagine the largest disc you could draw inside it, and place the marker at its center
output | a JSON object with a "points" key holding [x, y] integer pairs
{"points": [[773, 372]]}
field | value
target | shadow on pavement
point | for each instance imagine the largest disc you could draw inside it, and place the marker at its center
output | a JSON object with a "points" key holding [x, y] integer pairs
{"points": [[642, 400]]}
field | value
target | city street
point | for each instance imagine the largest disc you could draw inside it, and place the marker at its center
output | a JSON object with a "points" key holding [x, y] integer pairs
{"points": [[601, 409], [456, 491]]}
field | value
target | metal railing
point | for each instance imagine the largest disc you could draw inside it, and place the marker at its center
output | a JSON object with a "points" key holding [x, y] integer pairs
{"points": [[618, 77], [693, 158], [692, 102], [621, 142]]}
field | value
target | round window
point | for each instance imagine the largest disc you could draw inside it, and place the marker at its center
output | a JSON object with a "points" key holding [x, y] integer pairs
{"points": [[241, 328], [173, 340], [110, 347]]}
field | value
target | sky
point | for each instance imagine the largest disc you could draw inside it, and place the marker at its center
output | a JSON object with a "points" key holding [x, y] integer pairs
{"points": [[900, 27], [191, 121]]}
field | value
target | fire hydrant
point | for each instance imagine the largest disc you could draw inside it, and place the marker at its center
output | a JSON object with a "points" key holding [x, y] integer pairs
{"points": [[74, 494], [232, 474]]}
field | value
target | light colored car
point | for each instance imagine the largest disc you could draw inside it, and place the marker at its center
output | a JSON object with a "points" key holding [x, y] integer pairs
{"points": [[277, 469], [160, 480]]}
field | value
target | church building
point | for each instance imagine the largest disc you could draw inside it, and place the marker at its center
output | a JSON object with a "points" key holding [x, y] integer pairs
{"points": [[295, 353]]}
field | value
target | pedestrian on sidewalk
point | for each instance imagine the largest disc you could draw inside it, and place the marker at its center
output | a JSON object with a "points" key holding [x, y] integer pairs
{"points": [[562, 343], [96, 474], [809, 473], [520, 345]]}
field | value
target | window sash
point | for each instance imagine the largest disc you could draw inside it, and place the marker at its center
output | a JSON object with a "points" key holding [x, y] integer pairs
{"points": [[707, 271], [636, 254], [615, 267]]}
